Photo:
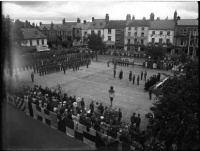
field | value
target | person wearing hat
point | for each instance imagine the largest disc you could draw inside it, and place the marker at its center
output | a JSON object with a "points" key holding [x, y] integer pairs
{"points": [[138, 79], [82, 103], [92, 106], [133, 119], [130, 76]]}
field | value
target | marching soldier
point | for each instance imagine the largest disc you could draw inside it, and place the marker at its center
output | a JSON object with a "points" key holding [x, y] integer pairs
{"points": [[32, 77]]}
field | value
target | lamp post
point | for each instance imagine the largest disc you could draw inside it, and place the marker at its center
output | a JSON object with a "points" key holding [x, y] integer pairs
{"points": [[111, 94]]}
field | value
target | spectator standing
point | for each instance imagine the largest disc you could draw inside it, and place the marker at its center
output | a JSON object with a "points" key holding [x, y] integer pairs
{"points": [[119, 115], [82, 103], [32, 77], [92, 107], [138, 121], [133, 119]]}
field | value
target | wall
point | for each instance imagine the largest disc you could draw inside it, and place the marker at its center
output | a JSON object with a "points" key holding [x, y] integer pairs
{"points": [[164, 36], [34, 42], [113, 33]]}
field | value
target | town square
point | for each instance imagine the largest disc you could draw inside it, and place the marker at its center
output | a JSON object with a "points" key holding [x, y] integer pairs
{"points": [[114, 83]]}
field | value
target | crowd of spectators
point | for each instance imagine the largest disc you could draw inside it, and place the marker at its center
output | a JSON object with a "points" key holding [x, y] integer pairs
{"points": [[97, 116], [151, 81]]}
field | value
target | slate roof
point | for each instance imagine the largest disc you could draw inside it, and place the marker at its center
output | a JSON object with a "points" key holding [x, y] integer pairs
{"points": [[32, 33], [67, 26], [83, 26], [48, 26], [188, 22], [115, 24], [162, 25], [98, 24], [138, 23]]}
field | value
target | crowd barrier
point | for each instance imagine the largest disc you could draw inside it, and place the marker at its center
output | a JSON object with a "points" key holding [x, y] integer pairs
{"points": [[72, 128]]}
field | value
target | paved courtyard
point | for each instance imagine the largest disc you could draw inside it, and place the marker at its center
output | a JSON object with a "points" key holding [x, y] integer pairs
{"points": [[94, 82]]}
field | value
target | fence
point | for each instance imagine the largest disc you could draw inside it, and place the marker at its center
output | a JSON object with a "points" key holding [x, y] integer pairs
{"points": [[73, 129]]}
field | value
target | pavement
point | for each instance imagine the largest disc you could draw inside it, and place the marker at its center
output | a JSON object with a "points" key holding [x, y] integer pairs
{"points": [[94, 82], [22, 132]]}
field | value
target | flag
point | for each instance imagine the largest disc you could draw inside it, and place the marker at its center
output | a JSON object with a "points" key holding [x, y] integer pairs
{"points": [[34, 110], [39, 113], [89, 136], [78, 131], [27, 107], [54, 120], [69, 127], [106, 142], [46, 116]]}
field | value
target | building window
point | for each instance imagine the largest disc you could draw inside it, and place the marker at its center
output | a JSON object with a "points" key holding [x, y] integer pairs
{"points": [[135, 40], [183, 32], [142, 41], [168, 33], [129, 33], [152, 40], [160, 40], [99, 32], [153, 32], [135, 34], [142, 35], [109, 31], [109, 38], [129, 28], [38, 42], [31, 43], [92, 31], [117, 39], [168, 41], [42, 41], [142, 28], [161, 32], [129, 41]]}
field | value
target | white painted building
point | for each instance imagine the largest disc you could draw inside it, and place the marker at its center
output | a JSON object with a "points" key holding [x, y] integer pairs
{"points": [[161, 32], [33, 37]]}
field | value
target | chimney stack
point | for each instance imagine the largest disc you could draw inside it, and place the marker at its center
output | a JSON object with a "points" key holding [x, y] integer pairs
{"points": [[152, 16], [107, 18], [175, 15], [78, 20], [158, 18], [84, 21], [40, 23], [92, 18], [144, 18], [63, 21], [133, 18], [128, 18]]}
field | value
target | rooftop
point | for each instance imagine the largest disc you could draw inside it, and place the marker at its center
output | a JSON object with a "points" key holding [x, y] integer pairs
{"points": [[162, 25], [98, 24], [32, 33], [115, 24], [188, 22], [139, 23]]}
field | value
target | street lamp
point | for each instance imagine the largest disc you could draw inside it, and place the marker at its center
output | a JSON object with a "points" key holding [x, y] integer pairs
{"points": [[111, 94]]}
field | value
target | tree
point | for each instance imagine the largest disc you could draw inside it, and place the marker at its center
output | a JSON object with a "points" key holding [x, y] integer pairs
{"points": [[95, 42], [17, 34], [155, 52], [176, 110]]}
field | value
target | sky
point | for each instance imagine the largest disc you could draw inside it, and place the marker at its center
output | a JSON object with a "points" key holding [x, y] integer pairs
{"points": [[47, 11]]}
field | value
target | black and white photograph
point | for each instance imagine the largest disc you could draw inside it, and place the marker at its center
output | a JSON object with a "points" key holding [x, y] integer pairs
{"points": [[100, 75]]}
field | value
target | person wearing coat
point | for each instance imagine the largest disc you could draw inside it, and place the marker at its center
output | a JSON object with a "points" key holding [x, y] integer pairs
{"points": [[133, 79], [130, 76], [138, 79]]}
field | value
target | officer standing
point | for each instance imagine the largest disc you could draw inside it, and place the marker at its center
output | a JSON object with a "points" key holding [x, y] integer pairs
{"points": [[17, 77], [138, 79], [64, 68], [145, 75], [130, 76], [150, 93], [141, 75], [32, 77], [133, 79], [114, 72]]}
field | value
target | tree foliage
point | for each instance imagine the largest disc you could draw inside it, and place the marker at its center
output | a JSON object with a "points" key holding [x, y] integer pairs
{"points": [[95, 42], [155, 52], [176, 111]]}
